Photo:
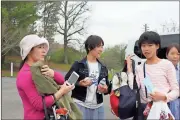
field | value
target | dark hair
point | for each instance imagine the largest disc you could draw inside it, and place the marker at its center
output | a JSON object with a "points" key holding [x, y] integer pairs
{"points": [[149, 37], [22, 63], [92, 42], [125, 66], [171, 46]]}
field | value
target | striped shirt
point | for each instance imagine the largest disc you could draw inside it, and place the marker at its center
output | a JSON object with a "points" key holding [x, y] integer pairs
{"points": [[162, 76]]}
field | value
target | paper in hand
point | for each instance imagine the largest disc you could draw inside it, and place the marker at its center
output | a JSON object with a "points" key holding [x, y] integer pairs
{"points": [[147, 82]]}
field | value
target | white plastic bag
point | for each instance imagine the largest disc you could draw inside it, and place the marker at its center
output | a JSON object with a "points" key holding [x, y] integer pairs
{"points": [[160, 111]]}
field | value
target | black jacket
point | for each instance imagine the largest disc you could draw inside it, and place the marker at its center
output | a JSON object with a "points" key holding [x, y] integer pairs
{"points": [[80, 67]]}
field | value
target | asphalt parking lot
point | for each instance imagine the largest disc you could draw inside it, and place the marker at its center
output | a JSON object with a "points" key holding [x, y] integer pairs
{"points": [[12, 106]]}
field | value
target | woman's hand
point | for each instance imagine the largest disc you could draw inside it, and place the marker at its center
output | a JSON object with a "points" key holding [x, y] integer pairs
{"points": [[158, 96], [47, 71], [129, 63], [65, 88], [103, 88], [85, 82]]}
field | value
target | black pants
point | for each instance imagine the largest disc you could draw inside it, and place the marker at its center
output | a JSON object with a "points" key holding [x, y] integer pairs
{"points": [[139, 114]]}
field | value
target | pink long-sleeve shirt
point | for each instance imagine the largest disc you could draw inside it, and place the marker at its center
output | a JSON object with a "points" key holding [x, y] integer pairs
{"points": [[31, 99], [163, 78]]}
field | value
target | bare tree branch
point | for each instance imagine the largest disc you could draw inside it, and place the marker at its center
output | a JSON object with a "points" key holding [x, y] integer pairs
{"points": [[80, 12], [60, 32], [61, 27], [170, 27], [48, 13], [9, 39], [73, 22], [77, 31], [73, 9], [81, 9]]}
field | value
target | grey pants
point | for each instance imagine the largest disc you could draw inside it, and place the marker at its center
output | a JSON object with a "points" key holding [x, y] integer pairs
{"points": [[92, 114]]}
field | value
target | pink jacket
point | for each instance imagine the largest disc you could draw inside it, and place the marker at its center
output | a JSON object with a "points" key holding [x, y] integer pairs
{"points": [[32, 101]]}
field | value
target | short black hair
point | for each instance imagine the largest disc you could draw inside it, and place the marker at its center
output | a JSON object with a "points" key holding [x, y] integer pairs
{"points": [[149, 37], [92, 42]]}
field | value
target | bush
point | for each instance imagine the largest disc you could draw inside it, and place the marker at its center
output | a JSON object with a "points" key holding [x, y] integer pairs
{"points": [[72, 55], [57, 56]]}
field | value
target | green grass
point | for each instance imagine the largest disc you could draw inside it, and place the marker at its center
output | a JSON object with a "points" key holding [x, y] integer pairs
{"points": [[17, 59], [61, 67], [110, 75], [55, 66], [7, 73]]}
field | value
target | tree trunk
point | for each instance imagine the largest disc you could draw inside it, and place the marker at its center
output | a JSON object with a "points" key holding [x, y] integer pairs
{"points": [[65, 52], [65, 34], [3, 59]]}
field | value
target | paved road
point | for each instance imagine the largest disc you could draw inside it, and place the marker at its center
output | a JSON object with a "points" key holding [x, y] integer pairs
{"points": [[11, 102]]}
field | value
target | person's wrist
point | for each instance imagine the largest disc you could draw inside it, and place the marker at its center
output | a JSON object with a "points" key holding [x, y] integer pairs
{"points": [[52, 73], [129, 67], [164, 98], [54, 97], [81, 84], [129, 70], [106, 90], [62, 91], [58, 94]]}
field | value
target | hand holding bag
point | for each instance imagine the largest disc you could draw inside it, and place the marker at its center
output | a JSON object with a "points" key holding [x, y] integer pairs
{"points": [[160, 111]]}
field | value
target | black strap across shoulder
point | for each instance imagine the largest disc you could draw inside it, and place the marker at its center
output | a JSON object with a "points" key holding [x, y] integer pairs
{"points": [[145, 77]]}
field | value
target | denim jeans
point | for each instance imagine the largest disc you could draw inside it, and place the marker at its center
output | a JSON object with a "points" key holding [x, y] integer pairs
{"points": [[92, 114]]}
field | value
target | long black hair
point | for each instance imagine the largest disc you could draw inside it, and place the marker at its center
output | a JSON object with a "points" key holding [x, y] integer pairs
{"points": [[125, 66], [22, 63]]}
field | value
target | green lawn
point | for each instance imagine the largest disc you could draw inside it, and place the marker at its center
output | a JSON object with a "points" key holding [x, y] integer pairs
{"points": [[61, 67], [7, 73], [55, 66], [17, 59]]}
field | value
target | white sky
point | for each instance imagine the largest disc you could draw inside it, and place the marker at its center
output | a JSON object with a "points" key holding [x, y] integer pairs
{"points": [[119, 21]]}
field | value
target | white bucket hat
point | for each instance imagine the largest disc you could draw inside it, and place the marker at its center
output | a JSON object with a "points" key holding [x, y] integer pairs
{"points": [[30, 41]]}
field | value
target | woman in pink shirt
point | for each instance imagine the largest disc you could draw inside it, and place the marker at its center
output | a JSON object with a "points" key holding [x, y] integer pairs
{"points": [[33, 48], [160, 72]]}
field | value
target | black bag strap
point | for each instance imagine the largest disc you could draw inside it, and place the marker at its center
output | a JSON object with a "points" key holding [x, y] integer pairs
{"points": [[139, 110], [55, 101], [135, 86], [145, 77], [45, 108], [119, 76]]}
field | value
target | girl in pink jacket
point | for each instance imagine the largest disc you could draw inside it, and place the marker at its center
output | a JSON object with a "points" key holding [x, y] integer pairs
{"points": [[32, 49]]}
